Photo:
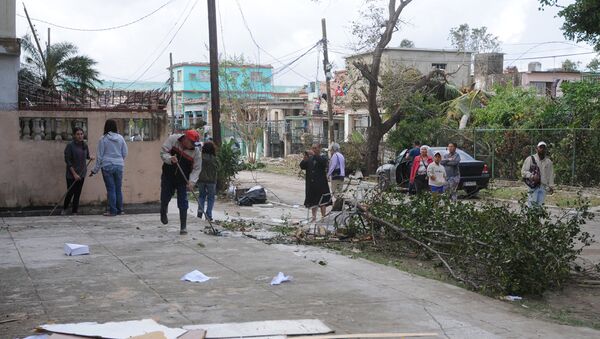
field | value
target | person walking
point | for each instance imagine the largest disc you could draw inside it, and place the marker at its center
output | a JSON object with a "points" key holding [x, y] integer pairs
{"points": [[317, 193], [418, 171], [451, 161], [538, 174], [337, 171], [112, 151], [182, 163], [76, 153], [207, 180], [436, 174], [410, 156]]}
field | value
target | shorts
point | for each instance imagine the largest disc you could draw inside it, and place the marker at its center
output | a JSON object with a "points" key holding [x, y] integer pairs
{"points": [[437, 189]]}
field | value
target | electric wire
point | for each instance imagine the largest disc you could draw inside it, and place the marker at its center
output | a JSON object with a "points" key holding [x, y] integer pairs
{"points": [[100, 29]]}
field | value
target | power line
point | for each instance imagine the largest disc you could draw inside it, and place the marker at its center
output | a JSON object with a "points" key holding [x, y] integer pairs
{"points": [[104, 28], [549, 56], [167, 46]]}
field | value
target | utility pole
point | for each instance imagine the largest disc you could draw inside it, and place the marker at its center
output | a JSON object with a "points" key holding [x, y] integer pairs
{"points": [[327, 70], [48, 45], [172, 95], [214, 73], [37, 42]]}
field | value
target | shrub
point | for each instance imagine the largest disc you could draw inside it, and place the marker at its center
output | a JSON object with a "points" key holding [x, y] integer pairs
{"points": [[228, 162], [488, 246]]}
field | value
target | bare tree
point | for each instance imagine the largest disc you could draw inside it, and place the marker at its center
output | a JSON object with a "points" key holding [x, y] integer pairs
{"points": [[376, 33]]}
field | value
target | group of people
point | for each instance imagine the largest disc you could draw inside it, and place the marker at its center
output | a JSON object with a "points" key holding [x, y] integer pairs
{"points": [[187, 163], [319, 170], [437, 174]]}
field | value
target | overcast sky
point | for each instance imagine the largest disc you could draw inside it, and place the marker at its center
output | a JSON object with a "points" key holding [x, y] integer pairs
{"points": [[284, 29]]}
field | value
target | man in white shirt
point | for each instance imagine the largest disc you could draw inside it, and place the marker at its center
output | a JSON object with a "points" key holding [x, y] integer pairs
{"points": [[538, 173]]}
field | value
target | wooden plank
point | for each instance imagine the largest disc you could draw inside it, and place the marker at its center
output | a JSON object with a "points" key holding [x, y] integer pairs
{"points": [[263, 328], [366, 335]]}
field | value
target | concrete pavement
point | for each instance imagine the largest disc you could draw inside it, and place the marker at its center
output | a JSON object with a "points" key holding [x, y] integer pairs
{"points": [[135, 264]]}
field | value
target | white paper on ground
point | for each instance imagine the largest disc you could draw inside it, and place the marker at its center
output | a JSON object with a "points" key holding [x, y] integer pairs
{"points": [[41, 336], [261, 329], [279, 278], [76, 249], [117, 330], [195, 276]]}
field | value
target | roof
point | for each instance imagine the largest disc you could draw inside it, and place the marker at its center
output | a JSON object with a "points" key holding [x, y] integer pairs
{"points": [[206, 64], [402, 49]]}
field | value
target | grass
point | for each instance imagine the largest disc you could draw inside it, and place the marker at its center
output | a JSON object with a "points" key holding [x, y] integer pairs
{"points": [[559, 198]]}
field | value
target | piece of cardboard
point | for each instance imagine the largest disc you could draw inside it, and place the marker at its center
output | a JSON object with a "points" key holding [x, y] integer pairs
{"points": [[151, 335], [64, 336], [263, 328], [76, 249], [119, 330]]}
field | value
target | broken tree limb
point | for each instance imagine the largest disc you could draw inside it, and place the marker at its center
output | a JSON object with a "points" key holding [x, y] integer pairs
{"points": [[404, 234]]}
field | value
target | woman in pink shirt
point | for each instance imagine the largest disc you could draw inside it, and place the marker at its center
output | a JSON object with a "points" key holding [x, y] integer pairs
{"points": [[418, 172]]}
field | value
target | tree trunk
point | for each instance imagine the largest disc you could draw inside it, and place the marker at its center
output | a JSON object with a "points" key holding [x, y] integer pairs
{"points": [[374, 136]]}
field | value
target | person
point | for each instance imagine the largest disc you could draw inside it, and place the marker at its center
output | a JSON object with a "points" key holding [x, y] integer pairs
{"points": [[415, 151], [207, 180], [410, 156], [538, 173], [182, 163], [337, 170], [451, 161], [76, 152], [112, 151], [436, 174], [317, 193], [418, 172]]}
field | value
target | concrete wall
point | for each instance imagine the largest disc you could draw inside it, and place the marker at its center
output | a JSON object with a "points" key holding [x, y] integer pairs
{"points": [[32, 173]]}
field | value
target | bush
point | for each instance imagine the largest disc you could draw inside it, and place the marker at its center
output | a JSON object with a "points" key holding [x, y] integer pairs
{"points": [[490, 247], [228, 162], [354, 151]]}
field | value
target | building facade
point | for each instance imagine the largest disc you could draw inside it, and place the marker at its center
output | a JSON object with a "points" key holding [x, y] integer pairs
{"points": [[191, 87]]}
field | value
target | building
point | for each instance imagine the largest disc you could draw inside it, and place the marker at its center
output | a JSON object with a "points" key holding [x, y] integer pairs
{"points": [[489, 72], [10, 52], [191, 87]]}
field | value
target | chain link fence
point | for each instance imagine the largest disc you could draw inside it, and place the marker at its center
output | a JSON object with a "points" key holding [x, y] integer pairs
{"points": [[572, 150]]}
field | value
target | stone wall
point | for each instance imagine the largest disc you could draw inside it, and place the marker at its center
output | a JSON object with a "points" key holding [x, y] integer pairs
{"points": [[32, 169]]}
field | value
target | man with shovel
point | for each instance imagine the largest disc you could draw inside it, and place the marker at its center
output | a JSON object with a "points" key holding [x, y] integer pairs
{"points": [[182, 162]]}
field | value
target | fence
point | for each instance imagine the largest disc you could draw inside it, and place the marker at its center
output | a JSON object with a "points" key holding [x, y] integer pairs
{"points": [[572, 150]]}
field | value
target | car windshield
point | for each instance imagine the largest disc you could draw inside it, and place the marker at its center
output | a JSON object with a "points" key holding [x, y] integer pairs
{"points": [[463, 155]]}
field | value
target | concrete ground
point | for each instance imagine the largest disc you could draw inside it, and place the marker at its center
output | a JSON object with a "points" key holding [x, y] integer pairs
{"points": [[135, 265]]}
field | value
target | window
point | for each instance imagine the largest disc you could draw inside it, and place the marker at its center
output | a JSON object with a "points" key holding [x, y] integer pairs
{"points": [[179, 76], [193, 76], [204, 76], [438, 66], [255, 76]]}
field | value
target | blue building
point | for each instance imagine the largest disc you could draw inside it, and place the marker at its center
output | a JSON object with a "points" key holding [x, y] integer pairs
{"points": [[192, 87]]}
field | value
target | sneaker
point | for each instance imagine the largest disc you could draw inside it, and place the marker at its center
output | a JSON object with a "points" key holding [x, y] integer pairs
{"points": [[163, 218], [108, 214], [183, 231]]}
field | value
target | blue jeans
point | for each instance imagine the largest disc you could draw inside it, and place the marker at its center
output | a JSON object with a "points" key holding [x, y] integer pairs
{"points": [[536, 196], [113, 178], [207, 193]]}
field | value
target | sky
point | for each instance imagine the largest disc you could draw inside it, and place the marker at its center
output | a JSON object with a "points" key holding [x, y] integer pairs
{"points": [[278, 32]]}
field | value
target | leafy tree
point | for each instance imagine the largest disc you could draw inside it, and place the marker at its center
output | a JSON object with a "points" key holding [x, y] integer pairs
{"points": [[582, 20], [570, 66], [405, 43], [60, 67], [475, 39], [594, 65]]}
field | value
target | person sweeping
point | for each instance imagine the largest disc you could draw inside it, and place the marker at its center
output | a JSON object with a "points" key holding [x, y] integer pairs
{"points": [[182, 163]]}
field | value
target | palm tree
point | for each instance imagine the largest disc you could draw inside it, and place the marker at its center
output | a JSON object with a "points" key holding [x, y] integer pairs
{"points": [[59, 68]]}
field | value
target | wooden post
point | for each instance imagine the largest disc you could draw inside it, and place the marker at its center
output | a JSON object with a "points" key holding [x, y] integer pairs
{"points": [[327, 70], [214, 73]]}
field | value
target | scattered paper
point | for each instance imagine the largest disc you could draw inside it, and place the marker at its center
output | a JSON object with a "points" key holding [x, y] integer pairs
{"points": [[195, 276], [116, 330], [76, 249], [280, 278]]}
